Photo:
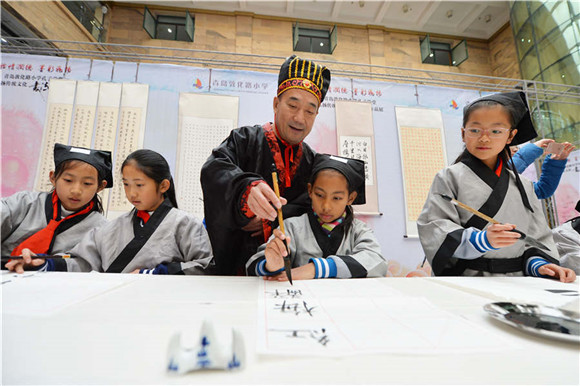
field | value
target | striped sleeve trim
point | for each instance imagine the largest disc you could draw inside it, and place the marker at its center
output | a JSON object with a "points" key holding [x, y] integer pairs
{"points": [[533, 265], [161, 269], [262, 271], [47, 266], [324, 268], [479, 240]]}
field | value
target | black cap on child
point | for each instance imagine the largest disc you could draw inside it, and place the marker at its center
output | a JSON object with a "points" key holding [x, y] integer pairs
{"points": [[100, 159], [352, 169], [522, 118]]}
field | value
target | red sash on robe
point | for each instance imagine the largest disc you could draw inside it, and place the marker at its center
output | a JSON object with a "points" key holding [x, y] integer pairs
{"points": [[40, 241], [286, 166]]}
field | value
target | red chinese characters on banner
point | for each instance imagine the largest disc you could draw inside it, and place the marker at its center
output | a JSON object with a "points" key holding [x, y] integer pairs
{"points": [[40, 68], [38, 83]]}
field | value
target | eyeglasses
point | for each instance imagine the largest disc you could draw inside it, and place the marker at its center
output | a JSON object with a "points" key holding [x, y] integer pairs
{"points": [[475, 132]]}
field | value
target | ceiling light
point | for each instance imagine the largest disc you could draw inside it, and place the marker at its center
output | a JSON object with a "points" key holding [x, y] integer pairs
{"points": [[563, 76], [3, 40], [169, 30], [321, 44], [529, 40], [431, 55]]}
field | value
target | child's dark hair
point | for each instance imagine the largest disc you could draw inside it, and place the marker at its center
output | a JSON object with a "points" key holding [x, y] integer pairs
{"points": [[155, 167], [477, 105], [349, 212], [65, 165]]}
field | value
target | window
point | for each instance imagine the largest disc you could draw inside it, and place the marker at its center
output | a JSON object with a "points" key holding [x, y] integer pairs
{"points": [[320, 41], [180, 28], [442, 53], [90, 14]]}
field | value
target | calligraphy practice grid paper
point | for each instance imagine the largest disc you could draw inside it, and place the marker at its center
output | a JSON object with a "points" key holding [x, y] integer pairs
{"points": [[198, 136], [422, 153], [339, 318]]}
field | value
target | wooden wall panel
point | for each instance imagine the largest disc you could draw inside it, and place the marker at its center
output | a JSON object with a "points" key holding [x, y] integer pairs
{"points": [[248, 33]]}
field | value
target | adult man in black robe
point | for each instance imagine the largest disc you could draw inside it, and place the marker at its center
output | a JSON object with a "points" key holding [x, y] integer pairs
{"points": [[240, 205]]}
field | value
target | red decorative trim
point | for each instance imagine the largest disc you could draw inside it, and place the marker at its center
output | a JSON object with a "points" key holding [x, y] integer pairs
{"points": [[55, 200], [143, 215], [301, 83], [498, 169], [244, 204], [41, 240], [277, 155]]}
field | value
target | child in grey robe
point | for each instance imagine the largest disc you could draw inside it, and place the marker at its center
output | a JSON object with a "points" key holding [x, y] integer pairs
{"points": [[72, 209], [457, 242], [327, 241], [154, 238], [567, 239]]}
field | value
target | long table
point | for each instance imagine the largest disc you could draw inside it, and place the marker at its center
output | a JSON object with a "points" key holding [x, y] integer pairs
{"points": [[88, 328]]}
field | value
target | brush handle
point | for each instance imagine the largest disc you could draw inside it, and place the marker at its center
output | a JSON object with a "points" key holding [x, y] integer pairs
{"points": [[287, 263], [5, 259], [475, 212], [277, 191]]}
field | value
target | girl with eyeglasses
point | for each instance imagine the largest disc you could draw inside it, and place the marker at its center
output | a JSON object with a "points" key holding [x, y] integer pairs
{"points": [[455, 241]]}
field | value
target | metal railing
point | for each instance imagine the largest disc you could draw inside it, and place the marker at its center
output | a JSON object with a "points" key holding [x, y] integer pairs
{"points": [[538, 91]]}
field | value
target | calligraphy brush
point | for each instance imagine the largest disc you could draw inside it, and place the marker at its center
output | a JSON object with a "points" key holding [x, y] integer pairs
{"points": [[6, 259], [529, 240], [287, 263]]}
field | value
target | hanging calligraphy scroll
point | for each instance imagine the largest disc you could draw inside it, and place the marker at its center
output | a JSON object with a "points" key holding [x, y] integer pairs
{"points": [[422, 150], [356, 139]]}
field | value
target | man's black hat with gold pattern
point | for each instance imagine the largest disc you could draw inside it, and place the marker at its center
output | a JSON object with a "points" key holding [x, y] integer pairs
{"points": [[305, 75]]}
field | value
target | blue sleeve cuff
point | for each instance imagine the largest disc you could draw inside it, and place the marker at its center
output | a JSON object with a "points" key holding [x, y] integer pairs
{"points": [[161, 269], [262, 271], [526, 155], [480, 242], [533, 265], [48, 266], [558, 162], [324, 268]]}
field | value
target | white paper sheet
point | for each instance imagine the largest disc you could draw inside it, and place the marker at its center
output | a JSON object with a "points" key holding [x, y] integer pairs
{"points": [[340, 318], [532, 290], [26, 294]]}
